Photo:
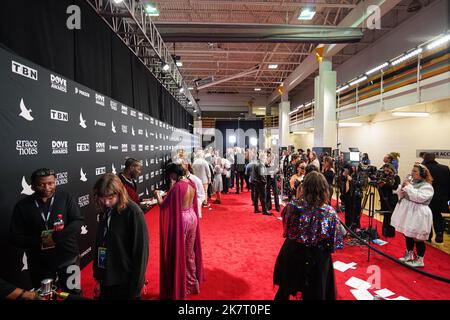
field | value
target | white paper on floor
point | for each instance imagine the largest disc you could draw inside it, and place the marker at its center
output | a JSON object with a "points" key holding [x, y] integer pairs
{"points": [[379, 242], [361, 294], [384, 293], [357, 283], [398, 298], [342, 266], [280, 218]]}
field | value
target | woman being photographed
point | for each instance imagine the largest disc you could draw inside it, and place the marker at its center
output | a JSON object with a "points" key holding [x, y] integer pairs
{"points": [[181, 267], [121, 248], [297, 178], [312, 232], [412, 216]]}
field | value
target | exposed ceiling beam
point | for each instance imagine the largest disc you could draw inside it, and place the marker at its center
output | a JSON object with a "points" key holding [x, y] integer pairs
{"points": [[355, 18], [231, 3]]}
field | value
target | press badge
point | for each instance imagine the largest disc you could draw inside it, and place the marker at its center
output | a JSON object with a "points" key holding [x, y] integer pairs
{"points": [[102, 254], [44, 234]]}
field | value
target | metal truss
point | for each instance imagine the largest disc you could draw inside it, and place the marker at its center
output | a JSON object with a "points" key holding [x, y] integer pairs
{"points": [[135, 28]]}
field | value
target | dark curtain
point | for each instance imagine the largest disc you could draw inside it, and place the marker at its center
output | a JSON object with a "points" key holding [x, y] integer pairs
{"points": [[93, 56]]}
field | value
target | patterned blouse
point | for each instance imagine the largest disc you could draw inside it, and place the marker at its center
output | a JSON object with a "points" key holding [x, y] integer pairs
{"points": [[312, 226]]}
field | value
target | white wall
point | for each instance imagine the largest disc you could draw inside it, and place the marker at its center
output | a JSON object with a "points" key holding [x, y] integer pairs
{"points": [[386, 134], [302, 141]]}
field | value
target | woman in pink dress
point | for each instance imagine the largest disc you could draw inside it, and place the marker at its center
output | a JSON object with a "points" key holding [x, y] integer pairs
{"points": [[181, 267]]}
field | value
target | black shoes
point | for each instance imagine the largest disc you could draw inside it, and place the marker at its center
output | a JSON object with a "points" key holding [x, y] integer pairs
{"points": [[257, 211], [267, 213], [439, 238]]}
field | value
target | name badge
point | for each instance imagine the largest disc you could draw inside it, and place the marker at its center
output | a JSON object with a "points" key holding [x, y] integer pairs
{"points": [[102, 255], [44, 244]]}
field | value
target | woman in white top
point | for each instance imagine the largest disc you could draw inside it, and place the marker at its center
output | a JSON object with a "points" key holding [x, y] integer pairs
{"points": [[412, 216]]}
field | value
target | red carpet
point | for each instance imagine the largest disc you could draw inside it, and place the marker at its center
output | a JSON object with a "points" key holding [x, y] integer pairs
{"points": [[240, 248]]}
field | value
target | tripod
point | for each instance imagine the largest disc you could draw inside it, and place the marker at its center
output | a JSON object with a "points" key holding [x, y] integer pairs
{"points": [[370, 196]]}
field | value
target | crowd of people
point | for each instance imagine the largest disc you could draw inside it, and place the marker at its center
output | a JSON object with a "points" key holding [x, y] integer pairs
{"points": [[302, 182]]}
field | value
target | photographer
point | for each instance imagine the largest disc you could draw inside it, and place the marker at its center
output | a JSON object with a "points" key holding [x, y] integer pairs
{"points": [[357, 185], [344, 183], [387, 183], [328, 172]]}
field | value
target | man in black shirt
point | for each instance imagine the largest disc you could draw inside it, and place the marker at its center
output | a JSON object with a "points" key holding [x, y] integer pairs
{"points": [[441, 186], [49, 252]]}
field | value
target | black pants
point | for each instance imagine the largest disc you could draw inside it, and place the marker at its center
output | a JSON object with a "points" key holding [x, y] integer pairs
{"points": [[260, 194], [247, 182], [65, 276], [420, 246], [225, 183], [240, 177], [120, 292], [348, 203], [272, 184], [438, 221], [233, 170], [252, 188], [387, 206], [357, 211]]}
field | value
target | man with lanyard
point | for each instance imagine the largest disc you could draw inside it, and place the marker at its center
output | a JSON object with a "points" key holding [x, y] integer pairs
{"points": [[50, 251], [128, 177]]}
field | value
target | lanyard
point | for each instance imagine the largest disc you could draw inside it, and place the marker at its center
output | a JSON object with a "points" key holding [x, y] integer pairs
{"points": [[45, 219], [106, 224]]}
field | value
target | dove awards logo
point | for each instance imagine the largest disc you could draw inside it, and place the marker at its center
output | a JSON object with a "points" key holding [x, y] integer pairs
{"points": [[24, 112], [152, 121], [140, 115], [146, 147], [124, 147], [26, 188], [60, 147], [27, 147], [83, 201], [147, 176], [24, 71], [100, 147], [124, 110], [82, 121], [140, 132], [84, 230], [133, 147], [146, 118], [140, 147], [113, 169], [113, 127], [82, 175], [99, 99], [141, 179], [58, 83], [133, 113], [124, 129]]}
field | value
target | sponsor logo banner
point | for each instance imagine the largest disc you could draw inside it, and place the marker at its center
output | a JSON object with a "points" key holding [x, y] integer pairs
{"points": [[58, 83], [59, 115], [83, 201], [62, 178], [100, 147], [124, 147], [82, 93], [124, 110], [27, 147], [24, 71], [100, 171], [99, 99], [83, 147], [60, 147]]}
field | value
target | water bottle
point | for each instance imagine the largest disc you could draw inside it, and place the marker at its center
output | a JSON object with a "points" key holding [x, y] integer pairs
{"points": [[58, 225]]}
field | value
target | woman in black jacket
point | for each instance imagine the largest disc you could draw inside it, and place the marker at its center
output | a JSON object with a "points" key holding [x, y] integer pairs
{"points": [[122, 244]]}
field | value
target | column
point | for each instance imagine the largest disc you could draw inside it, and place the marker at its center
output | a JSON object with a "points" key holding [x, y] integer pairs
{"points": [[325, 133], [283, 121]]}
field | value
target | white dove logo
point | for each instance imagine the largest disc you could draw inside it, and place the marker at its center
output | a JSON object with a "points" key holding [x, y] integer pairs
{"points": [[146, 133], [113, 127], [25, 262], [26, 188], [24, 112], [132, 130], [84, 230], [82, 121], [82, 175], [146, 162], [146, 191], [113, 169]]}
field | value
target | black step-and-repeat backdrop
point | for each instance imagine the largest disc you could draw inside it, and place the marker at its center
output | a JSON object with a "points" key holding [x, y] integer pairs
{"points": [[49, 121]]}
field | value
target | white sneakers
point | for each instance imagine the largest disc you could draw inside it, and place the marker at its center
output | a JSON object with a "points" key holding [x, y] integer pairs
{"points": [[409, 256], [417, 263], [409, 259]]}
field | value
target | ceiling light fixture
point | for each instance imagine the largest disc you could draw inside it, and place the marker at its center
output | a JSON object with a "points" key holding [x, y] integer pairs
{"points": [[384, 65], [273, 66], [166, 67], [362, 79], [300, 132], [410, 114], [439, 42], [151, 10], [257, 89], [307, 14], [407, 56], [350, 124]]}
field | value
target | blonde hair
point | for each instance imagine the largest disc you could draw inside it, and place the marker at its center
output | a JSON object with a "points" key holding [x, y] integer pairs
{"points": [[110, 184]]}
